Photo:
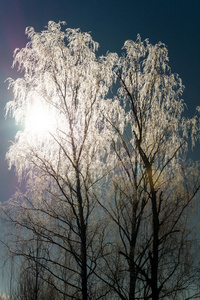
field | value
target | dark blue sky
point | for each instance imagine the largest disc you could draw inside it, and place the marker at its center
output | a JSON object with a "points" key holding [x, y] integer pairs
{"points": [[111, 22]]}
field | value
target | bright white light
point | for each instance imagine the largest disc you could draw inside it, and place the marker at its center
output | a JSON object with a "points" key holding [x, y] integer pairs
{"points": [[40, 119]]}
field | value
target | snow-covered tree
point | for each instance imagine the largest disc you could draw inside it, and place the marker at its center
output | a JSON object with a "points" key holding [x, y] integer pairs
{"points": [[153, 184], [59, 152], [109, 189]]}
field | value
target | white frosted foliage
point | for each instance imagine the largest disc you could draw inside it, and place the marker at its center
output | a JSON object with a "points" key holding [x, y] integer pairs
{"points": [[59, 101], [103, 148]]}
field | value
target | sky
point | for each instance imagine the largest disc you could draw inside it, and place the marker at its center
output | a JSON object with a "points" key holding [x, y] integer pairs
{"points": [[110, 22]]}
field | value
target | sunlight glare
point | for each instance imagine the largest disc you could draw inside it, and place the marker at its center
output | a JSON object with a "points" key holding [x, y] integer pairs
{"points": [[40, 120]]}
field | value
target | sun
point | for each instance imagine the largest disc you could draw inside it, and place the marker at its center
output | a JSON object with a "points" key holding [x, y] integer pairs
{"points": [[40, 119]]}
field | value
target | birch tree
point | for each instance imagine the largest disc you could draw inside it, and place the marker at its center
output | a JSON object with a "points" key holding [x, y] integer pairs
{"points": [[108, 186], [153, 184], [59, 152]]}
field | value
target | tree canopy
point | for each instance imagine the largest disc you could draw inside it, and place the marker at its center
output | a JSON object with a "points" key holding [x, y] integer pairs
{"points": [[109, 186]]}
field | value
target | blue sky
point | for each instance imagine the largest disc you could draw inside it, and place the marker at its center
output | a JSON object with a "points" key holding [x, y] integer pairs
{"points": [[111, 22]]}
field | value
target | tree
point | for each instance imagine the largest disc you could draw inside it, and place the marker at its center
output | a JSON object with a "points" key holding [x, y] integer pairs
{"points": [[103, 166], [28, 285], [62, 161], [31, 280], [153, 183]]}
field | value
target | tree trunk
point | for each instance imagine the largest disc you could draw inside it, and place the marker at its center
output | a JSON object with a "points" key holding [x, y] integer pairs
{"points": [[132, 268], [83, 242], [132, 281], [84, 263], [155, 228]]}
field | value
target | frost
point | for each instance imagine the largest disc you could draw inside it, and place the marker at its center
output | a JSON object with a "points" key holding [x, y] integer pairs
{"points": [[102, 157]]}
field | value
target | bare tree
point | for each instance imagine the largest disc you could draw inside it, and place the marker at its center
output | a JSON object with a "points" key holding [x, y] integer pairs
{"points": [[29, 284]]}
